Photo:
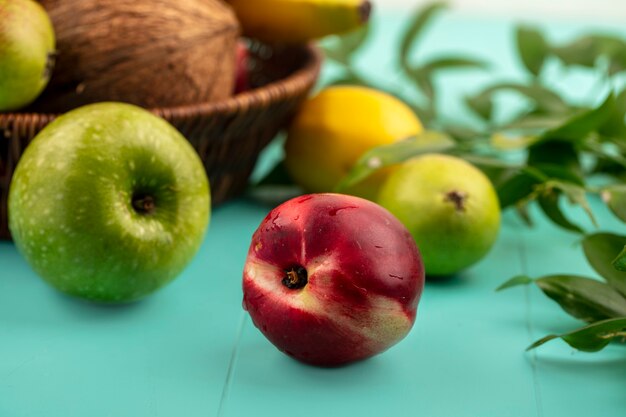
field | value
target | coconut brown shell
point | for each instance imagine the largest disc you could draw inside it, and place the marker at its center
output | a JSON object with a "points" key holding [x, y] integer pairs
{"points": [[152, 53]]}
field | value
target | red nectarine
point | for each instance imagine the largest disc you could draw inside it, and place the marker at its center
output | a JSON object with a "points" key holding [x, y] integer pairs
{"points": [[332, 279]]}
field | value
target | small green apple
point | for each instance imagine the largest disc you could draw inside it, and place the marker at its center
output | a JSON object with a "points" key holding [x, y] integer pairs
{"points": [[109, 203], [27, 45]]}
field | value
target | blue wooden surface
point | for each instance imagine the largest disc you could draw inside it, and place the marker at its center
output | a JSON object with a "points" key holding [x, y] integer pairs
{"points": [[191, 350]]}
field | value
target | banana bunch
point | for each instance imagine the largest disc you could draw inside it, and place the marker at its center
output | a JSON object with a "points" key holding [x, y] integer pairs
{"points": [[299, 21]]}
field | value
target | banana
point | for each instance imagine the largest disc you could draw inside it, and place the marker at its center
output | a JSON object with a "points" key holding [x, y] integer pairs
{"points": [[299, 21]]}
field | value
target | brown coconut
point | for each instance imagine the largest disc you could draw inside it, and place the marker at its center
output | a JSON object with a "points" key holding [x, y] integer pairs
{"points": [[152, 53]]}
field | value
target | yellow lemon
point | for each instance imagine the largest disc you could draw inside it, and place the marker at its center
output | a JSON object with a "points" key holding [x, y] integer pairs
{"points": [[334, 128]]}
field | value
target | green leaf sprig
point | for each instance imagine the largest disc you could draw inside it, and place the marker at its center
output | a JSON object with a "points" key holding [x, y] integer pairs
{"points": [[553, 135], [599, 302]]}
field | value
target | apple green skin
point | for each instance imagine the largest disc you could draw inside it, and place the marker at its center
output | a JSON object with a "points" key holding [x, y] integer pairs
{"points": [[71, 210], [365, 279], [27, 44]]}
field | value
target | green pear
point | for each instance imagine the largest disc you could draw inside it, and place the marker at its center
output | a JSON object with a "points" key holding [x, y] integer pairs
{"points": [[27, 47], [449, 206]]}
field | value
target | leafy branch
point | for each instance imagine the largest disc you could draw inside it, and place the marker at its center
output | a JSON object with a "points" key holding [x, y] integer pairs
{"points": [[562, 145], [601, 303]]}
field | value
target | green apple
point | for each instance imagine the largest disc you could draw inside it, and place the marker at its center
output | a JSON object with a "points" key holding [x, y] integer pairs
{"points": [[27, 45], [109, 203]]}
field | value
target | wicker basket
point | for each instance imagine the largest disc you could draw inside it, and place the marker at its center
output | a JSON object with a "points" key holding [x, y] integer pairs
{"points": [[228, 135]]}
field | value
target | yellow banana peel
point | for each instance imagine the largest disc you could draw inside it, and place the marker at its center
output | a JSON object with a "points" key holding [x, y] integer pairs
{"points": [[299, 21]]}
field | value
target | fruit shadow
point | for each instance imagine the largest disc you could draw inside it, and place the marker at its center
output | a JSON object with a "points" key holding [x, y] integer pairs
{"points": [[260, 363], [453, 280], [582, 362], [90, 310], [608, 368]]}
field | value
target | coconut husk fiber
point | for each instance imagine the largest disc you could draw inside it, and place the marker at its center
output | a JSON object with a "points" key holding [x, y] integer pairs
{"points": [[152, 53]]}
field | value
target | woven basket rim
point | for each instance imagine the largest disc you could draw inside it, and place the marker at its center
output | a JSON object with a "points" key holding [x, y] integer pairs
{"points": [[276, 90]]}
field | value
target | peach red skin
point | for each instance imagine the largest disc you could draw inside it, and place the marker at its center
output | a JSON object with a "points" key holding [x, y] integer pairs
{"points": [[241, 68], [365, 279]]}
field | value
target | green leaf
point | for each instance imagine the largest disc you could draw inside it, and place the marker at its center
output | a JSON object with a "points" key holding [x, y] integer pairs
{"points": [[349, 79], [515, 282], [583, 298], [490, 162], [481, 104], [534, 121], [451, 63], [610, 167], [518, 185], [561, 173], [494, 168], [336, 54], [415, 29], [583, 123], [505, 142], [581, 51], [617, 142], [423, 75], [549, 204], [355, 39], [585, 51], [382, 156], [531, 182], [424, 82], [548, 192], [557, 159], [515, 189], [619, 262], [575, 193], [546, 101], [341, 48], [462, 133], [425, 114], [611, 160], [615, 198], [590, 338], [522, 210], [532, 48], [617, 61], [615, 125], [601, 250]]}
